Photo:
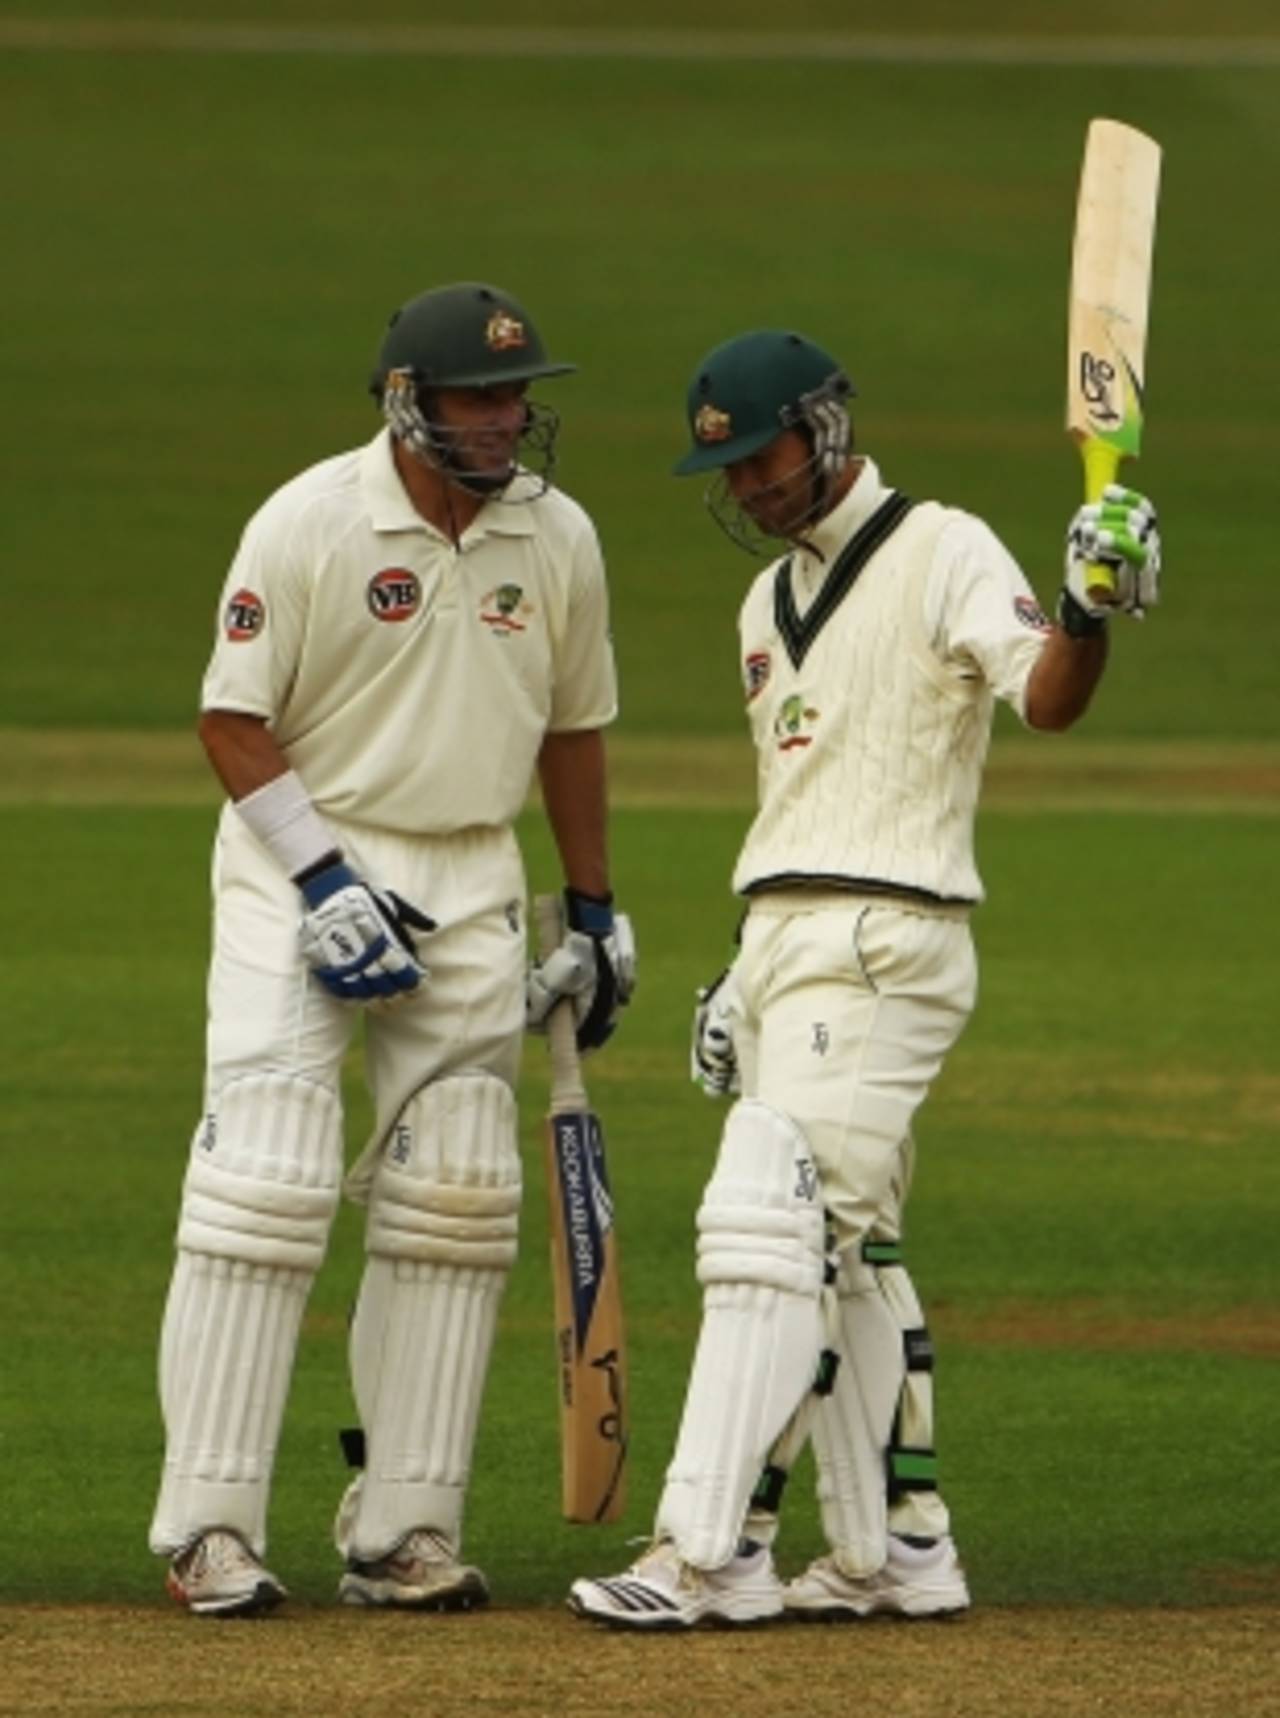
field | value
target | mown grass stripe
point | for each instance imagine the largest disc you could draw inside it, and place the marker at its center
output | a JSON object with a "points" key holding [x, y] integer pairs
{"points": [[480, 42]]}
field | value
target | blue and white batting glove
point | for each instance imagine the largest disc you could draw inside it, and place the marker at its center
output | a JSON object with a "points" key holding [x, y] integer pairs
{"points": [[356, 938], [1119, 532], [594, 963]]}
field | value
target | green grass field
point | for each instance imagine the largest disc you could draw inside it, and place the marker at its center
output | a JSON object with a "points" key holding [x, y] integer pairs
{"points": [[204, 245]]}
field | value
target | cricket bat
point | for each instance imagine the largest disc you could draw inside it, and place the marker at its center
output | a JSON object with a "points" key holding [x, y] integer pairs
{"points": [[1110, 290], [590, 1352]]}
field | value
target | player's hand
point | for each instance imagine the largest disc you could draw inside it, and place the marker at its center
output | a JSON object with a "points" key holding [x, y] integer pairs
{"points": [[1119, 532], [357, 938], [713, 1059], [594, 964]]}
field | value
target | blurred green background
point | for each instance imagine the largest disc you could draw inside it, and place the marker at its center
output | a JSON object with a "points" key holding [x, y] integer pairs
{"points": [[205, 246], [206, 234]]}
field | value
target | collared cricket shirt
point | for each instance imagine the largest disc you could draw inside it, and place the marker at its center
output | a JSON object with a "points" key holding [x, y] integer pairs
{"points": [[410, 681]]}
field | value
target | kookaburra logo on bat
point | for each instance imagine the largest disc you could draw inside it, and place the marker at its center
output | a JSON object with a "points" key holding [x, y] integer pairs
{"points": [[1097, 379]]}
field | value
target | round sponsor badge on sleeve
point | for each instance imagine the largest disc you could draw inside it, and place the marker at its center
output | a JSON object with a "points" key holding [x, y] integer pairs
{"points": [[1031, 614], [755, 673], [245, 616]]}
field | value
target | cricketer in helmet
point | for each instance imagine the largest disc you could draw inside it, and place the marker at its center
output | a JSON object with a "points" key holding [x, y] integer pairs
{"points": [[768, 416], [451, 378], [872, 650]]}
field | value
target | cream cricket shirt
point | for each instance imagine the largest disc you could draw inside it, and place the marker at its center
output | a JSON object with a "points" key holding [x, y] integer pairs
{"points": [[872, 722], [408, 682]]}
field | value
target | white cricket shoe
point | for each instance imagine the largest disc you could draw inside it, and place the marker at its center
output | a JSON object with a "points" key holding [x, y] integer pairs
{"points": [[421, 1573], [915, 1581], [661, 1591], [218, 1576]]}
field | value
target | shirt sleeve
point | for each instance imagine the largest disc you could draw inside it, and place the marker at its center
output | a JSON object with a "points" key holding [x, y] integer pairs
{"points": [[585, 692], [982, 614], [260, 624]]}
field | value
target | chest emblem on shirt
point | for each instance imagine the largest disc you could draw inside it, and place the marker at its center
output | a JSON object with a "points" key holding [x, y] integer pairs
{"points": [[393, 594], [789, 725], [755, 673], [502, 608], [1031, 614], [245, 616]]}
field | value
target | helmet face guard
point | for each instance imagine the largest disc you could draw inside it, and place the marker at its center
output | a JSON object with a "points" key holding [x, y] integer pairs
{"points": [[409, 410], [823, 420]]}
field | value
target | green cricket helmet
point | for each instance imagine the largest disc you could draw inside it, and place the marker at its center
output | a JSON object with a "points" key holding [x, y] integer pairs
{"points": [[745, 392], [464, 336]]}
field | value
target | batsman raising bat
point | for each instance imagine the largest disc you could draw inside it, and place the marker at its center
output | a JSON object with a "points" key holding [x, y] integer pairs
{"points": [[873, 647]]}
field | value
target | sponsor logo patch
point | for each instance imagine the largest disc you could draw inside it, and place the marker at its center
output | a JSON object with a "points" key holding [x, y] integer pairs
{"points": [[501, 609], [792, 719], [1031, 614], [755, 673], [503, 331], [393, 594], [245, 616], [711, 424]]}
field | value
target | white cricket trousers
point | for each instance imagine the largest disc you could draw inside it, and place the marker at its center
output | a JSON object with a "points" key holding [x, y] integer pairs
{"points": [[267, 1159], [852, 1002]]}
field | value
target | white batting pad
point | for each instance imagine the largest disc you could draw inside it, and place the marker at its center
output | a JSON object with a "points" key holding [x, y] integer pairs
{"points": [[854, 1426], [760, 1260], [259, 1197], [441, 1238]]}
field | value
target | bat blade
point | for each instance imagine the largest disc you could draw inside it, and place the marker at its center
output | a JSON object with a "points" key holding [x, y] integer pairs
{"points": [[590, 1352], [1109, 301], [591, 1365]]}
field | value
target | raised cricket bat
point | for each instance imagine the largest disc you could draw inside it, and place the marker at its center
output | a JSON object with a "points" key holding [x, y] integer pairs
{"points": [[590, 1353], [1110, 291]]}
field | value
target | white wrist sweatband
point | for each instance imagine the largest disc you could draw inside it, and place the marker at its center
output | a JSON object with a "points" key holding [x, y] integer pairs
{"points": [[286, 822]]}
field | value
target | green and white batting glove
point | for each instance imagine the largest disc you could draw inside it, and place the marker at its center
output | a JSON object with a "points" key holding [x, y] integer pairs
{"points": [[1119, 532]]}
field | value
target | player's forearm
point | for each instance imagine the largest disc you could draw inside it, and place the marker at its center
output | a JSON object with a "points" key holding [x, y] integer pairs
{"points": [[571, 768], [1063, 680], [242, 751]]}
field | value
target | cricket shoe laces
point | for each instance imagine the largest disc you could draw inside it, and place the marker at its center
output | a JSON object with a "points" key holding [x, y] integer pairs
{"points": [[914, 1581], [217, 1575], [421, 1573], [661, 1591]]}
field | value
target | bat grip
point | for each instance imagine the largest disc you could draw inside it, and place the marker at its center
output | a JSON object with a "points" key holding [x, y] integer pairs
{"points": [[1101, 465], [567, 1090]]}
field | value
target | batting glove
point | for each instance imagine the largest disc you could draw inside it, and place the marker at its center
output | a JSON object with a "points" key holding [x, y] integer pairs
{"points": [[594, 964], [1119, 532], [713, 1058], [356, 938]]}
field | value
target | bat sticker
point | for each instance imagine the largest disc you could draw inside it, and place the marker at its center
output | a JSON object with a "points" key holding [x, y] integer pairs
{"points": [[588, 1211]]}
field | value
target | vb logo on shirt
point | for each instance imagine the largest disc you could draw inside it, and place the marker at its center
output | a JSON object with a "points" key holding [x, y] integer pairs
{"points": [[393, 594], [245, 616]]}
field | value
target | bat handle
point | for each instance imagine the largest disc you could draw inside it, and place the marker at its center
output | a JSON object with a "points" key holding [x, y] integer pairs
{"points": [[567, 1091], [1101, 465]]}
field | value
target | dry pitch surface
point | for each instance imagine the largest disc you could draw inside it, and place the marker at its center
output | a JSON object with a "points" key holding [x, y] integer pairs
{"points": [[1213, 1663]]}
